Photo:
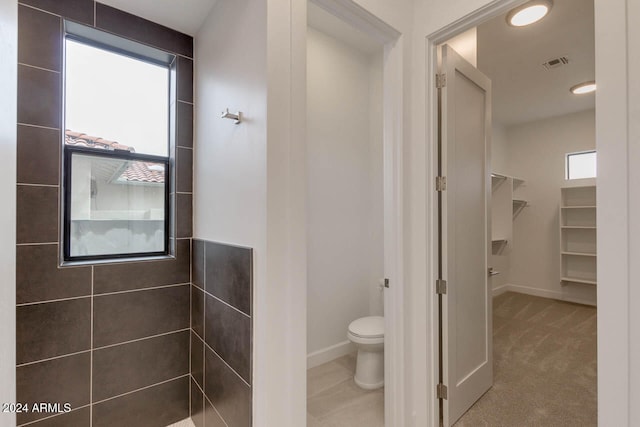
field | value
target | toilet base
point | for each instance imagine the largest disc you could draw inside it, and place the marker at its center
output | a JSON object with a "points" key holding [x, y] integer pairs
{"points": [[370, 369], [368, 386]]}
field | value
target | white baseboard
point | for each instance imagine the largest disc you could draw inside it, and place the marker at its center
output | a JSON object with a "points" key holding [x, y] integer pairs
{"points": [[329, 353], [544, 293], [500, 290], [536, 292]]}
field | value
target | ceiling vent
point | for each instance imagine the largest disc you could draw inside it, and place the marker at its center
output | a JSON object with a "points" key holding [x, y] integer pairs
{"points": [[556, 63]]}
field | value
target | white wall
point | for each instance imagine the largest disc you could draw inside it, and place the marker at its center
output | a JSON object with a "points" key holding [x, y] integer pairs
{"points": [[345, 234], [466, 45], [536, 153], [499, 149], [230, 167], [230, 160], [8, 90]]}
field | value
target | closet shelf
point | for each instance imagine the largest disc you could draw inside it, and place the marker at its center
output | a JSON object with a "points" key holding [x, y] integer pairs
{"points": [[578, 280], [579, 254], [498, 245], [518, 206], [578, 245], [517, 182]]}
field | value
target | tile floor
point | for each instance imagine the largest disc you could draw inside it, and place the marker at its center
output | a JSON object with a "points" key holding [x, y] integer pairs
{"points": [[184, 423], [334, 400]]}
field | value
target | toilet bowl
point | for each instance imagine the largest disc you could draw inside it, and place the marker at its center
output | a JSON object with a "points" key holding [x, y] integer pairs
{"points": [[367, 333]]}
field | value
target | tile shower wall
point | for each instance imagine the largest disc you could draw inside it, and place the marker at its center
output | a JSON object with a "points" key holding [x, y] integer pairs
{"points": [[111, 339], [221, 335]]}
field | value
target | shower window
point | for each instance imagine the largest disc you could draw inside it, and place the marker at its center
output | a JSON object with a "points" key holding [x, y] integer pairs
{"points": [[116, 147]]}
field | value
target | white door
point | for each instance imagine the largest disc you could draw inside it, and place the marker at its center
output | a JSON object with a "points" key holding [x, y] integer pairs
{"points": [[465, 125]]}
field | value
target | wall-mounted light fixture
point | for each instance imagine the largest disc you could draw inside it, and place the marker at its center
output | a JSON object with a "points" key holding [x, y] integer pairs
{"points": [[528, 13], [582, 88]]}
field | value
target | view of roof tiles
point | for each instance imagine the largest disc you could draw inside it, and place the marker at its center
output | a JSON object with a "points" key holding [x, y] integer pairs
{"points": [[82, 139], [143, 172], [136, 171]]}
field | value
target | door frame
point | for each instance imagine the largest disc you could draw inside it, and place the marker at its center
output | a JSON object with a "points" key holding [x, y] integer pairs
{"points": [[392, 93], [432, 111]]}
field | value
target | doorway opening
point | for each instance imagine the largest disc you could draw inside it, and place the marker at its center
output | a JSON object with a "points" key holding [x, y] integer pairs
{"points": [[353, 208], [536, 308]]}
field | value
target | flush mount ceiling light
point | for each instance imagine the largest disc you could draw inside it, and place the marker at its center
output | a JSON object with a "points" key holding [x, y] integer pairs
{"points": [[528, 13], [586, 87]]}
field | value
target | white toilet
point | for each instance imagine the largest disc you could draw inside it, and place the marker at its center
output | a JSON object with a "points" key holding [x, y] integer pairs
{"points": [[367, 333]]}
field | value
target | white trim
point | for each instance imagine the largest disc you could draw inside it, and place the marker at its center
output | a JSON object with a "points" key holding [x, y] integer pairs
{"points": [[330, 353], [501, 290], [537, 292], [527, 290]]}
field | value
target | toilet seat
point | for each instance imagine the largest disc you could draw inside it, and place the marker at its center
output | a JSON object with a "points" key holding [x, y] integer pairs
{"points": [[369, 327]]}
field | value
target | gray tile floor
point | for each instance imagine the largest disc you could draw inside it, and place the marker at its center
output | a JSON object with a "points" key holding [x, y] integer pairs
{"points": [[334, 400]]}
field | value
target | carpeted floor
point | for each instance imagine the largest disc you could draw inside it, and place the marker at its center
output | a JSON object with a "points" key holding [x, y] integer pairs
{"points": [[544, 358]]}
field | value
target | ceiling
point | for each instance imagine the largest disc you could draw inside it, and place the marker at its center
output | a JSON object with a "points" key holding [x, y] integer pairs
{"points": [[185, 16], [522, 89]]}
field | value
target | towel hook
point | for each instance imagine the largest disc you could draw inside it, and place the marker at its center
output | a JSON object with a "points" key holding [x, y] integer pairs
{"points": [[236, 117]]}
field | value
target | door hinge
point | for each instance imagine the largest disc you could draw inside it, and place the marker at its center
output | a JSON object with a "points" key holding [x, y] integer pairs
{"points": [[441, 183], [441, 81], [386, 282], [441, 391], [441, 287]]}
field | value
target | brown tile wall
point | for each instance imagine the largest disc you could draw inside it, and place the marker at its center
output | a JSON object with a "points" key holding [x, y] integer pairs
{"points": [[221, 335], [113, 340]]}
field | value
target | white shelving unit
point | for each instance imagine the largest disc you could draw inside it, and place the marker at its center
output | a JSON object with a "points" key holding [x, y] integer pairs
{"points": [[504, 208], [578, 246]]}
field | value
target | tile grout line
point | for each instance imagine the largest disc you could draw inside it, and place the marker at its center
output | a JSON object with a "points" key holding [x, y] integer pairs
{"points": [[91, 295], [28, 184], [36, 244], [39, 68], [48, 359], [204, 410], [177, 331], [37, 126], [228, 366], [91, 357], [215, 409], [140, 389], [227, 304], [151, 288], [27, 304], [21, 3], [190, 324], [204, 323], [92, 349]]}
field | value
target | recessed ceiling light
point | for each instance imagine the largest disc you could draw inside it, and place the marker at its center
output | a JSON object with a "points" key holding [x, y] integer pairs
{"points": [[586, 87], [528, 13]]}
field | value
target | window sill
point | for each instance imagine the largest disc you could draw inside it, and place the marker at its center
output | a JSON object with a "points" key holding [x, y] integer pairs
{"points": [[80, 263]]}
